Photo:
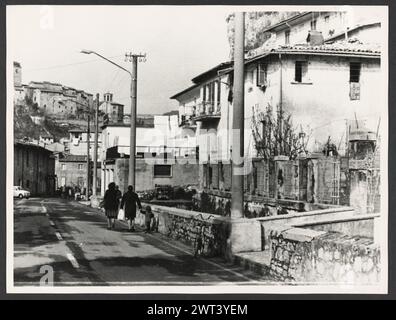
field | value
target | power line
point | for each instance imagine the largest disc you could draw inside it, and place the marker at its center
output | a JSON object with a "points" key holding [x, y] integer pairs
{"points": [[68, 65]]}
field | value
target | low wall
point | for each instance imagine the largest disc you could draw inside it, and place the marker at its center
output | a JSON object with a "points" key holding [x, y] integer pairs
{"points": [[309, 256], [219, 202], [301, 218], [184, 225], [359, 225]]}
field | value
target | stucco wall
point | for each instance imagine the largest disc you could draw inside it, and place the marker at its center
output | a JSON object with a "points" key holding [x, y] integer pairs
{"points": [[320, 111], [181, 174]]}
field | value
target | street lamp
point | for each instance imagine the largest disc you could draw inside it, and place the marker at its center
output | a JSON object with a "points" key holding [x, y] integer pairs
{"points": [[133, 75]]}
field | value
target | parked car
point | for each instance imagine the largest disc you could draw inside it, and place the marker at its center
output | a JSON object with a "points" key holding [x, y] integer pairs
{"points": [[21, 193]]}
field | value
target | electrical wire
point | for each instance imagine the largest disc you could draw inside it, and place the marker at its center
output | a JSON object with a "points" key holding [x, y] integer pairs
{"points": [[69, 65]]}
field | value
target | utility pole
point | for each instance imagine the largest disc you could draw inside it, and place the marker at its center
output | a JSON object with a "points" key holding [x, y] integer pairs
{"points": [[95, 155], [134, 59], [88, 166], [132, 150], [238, 118]]}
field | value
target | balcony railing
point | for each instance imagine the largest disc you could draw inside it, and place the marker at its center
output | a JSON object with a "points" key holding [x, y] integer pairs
{"points": [[207, 110]]}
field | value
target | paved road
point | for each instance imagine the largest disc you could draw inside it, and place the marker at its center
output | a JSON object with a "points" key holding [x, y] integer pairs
{"points": [[74, 241]]}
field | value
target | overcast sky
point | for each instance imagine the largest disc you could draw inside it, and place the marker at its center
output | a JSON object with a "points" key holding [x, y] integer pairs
{"points": [[179, 42]]}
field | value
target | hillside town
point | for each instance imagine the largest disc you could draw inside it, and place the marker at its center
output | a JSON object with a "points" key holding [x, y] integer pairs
{"points": [[305, 207]]}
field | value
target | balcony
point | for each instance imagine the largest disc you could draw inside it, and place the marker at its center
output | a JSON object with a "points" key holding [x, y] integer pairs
{"points": [[207, 111]]}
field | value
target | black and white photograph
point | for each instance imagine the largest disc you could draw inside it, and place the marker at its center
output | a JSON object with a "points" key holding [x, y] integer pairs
{"points": [[197, 149]]}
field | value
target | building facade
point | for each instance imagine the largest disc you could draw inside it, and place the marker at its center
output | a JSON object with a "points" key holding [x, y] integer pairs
{"points": [[78, 140], [71, 171], [321, 87], [34, 169], [158, 138]]}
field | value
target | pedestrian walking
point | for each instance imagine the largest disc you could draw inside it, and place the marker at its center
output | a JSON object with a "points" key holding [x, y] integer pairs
{"points": [[129, 201], [110, 204]]}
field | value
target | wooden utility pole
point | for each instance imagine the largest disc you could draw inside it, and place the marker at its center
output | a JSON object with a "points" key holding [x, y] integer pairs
{"points": [[95, 155], [238, 118]]}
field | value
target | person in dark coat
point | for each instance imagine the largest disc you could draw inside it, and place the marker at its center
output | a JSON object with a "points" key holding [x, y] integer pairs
{"points": [[110, 204], [119, 194], [128, 203]]}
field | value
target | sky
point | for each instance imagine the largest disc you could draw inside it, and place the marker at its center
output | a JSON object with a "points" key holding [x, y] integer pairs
{"points": [[179, 42]]}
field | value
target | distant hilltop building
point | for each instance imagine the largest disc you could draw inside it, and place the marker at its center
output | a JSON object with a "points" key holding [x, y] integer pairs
{"points": [[19, 93], [113, 111], [58, 100], [51, 98]]}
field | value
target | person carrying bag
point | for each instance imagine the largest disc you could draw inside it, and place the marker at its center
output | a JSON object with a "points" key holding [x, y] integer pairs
{"points": [[128, 203]]}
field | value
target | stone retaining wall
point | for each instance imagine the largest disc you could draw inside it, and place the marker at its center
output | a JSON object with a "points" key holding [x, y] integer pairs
{"points": [[308, 256], [185, 226]]}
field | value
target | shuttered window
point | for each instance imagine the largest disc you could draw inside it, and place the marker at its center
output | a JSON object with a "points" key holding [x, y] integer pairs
{"points": [[354, 71]]}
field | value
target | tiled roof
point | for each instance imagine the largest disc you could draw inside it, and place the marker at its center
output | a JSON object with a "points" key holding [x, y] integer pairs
{"points": [[335, 48], [73, 158], [30, 144], [341, 48]]}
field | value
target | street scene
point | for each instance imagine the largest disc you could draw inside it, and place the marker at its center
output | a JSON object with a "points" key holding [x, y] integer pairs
{"points": [[249, 150], [70, 239]]}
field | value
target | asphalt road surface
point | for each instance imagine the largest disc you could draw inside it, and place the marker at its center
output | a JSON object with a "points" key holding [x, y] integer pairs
{"points": [[72, 240]]}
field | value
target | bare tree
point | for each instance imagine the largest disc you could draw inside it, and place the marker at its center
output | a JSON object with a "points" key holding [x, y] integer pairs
{"points": [[275, 135]]}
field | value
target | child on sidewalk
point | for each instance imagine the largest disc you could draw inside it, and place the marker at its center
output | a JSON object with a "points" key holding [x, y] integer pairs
{"points": [[149, 218]]}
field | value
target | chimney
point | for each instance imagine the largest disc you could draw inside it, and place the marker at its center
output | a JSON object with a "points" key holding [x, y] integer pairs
{"points": [[315, 38]]}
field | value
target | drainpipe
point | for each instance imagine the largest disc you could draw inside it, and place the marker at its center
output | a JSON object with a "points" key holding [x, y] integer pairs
{"points": [[280, 105]]}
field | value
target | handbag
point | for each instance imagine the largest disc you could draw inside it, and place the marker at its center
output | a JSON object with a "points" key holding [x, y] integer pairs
{"points": [[121, 214]]}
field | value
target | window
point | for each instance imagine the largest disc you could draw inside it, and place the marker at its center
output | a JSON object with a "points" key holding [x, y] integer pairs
{"points": [[287, 37], [80, 166], [354, 71], [301, 71], [327, 19], [162, 170], [27, 158], [80, 182], [313, 24], [27, 183], [63, 181], [261, 75], [63, 166]]}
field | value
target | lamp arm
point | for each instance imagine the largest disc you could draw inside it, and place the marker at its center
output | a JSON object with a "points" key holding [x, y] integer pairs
{"points": [[112, 62]]}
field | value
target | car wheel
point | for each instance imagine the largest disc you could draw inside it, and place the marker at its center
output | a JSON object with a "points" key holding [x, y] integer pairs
{"points": [[27, 197], [20, 196]]}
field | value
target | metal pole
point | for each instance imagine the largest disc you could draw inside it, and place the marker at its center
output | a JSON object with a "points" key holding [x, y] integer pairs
{"points": [[238, 118], [95, 155], [132, 152], [88, 133]]}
